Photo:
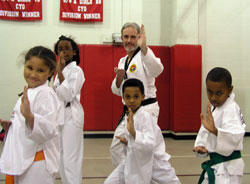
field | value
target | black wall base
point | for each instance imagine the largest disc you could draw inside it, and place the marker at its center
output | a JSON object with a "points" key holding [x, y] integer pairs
{"points": [[175, 136]]}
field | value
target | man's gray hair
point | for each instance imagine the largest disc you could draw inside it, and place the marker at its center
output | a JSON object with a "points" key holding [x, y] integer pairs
{"points": [[133, 25]]}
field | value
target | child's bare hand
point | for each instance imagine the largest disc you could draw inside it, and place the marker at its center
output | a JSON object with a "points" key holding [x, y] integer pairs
{"points": [[122, 139], [130, 122], [61, 59], [25, 105], [200, 149], [5, 124], [61, 63], [25, 108], [208, 121]]}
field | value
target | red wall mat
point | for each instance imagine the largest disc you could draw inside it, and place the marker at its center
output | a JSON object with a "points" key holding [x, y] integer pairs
{"points": [[182, 64], [163, 84], [117, 108], [96, 96], [185, 88]]}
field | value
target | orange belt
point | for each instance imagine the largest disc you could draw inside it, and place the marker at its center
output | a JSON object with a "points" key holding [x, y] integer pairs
{"points": [[9, 179]]}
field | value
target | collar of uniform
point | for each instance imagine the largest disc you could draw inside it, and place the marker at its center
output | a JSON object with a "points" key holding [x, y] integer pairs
{"points": [[128, 62], [137, 111], [67, 69], [31, 90]]}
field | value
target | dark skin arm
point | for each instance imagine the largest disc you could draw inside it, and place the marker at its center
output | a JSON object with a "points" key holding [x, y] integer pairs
{"points": [[60, 66]]}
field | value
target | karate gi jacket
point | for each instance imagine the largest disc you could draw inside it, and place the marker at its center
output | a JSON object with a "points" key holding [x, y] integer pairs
{"points": [[22, 142], [147, 146], [229, 121], [145, 68], [69, 91]]}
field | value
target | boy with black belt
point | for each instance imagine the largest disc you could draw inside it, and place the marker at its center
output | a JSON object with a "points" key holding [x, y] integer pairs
{"points": [[145, 160]]}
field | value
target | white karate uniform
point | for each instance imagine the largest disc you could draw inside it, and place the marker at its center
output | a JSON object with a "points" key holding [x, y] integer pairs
{"points": [[72, 132], [22, 142], [145, 68], [146, 160], [231, 129]]}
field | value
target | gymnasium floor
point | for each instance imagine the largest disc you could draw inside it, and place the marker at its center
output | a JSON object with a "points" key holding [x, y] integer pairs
{"points": [[97, 164]]}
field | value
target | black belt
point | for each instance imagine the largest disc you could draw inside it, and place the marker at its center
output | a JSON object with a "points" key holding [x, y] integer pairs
{"points": [[148, 101], [67, 105], [143, 103]]}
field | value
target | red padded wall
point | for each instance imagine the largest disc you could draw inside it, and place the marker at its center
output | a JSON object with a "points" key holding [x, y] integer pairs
{"points": [[102, 108], [96, 96], [185, 88], [117, 108], [162, 84], [178, 87]]}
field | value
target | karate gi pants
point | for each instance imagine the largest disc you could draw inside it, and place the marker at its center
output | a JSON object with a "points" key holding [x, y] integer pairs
{"points": [[224, 179], [162, 173], [37, 172], [71, 154]]}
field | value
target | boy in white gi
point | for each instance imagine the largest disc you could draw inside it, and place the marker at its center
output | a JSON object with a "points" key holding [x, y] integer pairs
{"points": [[221, 133], [68, 84], [141, 63], [146, 161], [31, 151]]}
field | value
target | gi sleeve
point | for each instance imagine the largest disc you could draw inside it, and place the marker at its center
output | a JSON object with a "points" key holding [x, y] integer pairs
{"points": [[114, 88], [201, 138], [152, 64], [231, 133], [118, 150], [144, 140], [45, 110], [72, 84]]}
